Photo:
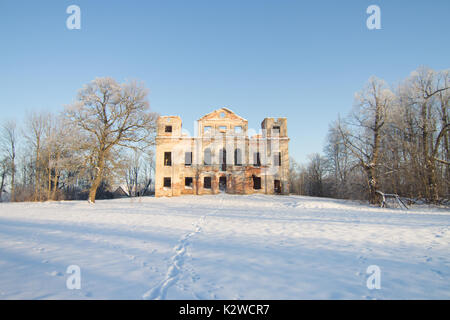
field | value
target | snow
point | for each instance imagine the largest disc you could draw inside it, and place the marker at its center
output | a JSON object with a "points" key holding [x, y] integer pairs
{"points": [[223, 247]]}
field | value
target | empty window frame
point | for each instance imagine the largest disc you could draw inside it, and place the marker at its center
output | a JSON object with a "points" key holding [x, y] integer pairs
{"points": [[277, 159], [167, 182], [238, 129], [222, 128], [207, 157], [168, 129], [223, 156], [207, 182], [188, 158], [168, 159], [188, 182], [207, 129], [238, 157], [257, 159], [256, 183], [223, 159], [276, 130]]}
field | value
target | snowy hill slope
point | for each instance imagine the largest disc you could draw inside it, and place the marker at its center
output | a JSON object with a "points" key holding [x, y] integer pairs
{"points": [[222, 247]]}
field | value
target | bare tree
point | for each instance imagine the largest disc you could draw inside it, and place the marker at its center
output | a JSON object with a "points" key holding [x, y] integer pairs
{"points": [[400, 141], [363, 132], [340, 161], [138, 172], [148, 170], [34, 133], [296, 177], [9, 144], [315, 173], [444, 101], [111, 115], [427, 94], [3, 174], [132, 173], [62, 154]]}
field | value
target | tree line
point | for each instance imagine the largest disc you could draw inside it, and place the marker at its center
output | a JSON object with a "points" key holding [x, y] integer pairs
{"points": [[394, 140], [105, 136]]}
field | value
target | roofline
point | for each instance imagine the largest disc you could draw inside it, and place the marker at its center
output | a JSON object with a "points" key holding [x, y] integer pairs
{"points": [[223, 108]]}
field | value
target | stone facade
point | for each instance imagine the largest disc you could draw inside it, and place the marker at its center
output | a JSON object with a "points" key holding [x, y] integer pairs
{"points": [[222, 157]]}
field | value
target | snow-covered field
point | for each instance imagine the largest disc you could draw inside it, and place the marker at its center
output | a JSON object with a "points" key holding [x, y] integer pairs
{"points": [[223, 247]]}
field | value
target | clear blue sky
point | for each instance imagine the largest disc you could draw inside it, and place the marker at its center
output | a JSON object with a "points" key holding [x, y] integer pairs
{"points": [[303, 60]]}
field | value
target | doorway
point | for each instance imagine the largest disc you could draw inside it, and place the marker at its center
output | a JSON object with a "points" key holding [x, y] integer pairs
{"points": [[277, 186], [223, 184]]}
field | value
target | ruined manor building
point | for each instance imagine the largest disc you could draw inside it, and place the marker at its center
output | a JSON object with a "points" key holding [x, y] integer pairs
{"points": [[222, 157]]}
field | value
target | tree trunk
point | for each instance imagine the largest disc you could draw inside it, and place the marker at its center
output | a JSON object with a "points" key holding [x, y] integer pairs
{"points": [[37, 194], [49, 182], [149, 181], [372, 167], [56, 176], [98, 178], [2, 185], [372, 184], [55, 184], [433, 193], [13, 179]]}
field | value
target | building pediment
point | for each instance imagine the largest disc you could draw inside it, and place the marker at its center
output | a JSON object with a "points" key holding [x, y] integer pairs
{"points": [[222, 114]]}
